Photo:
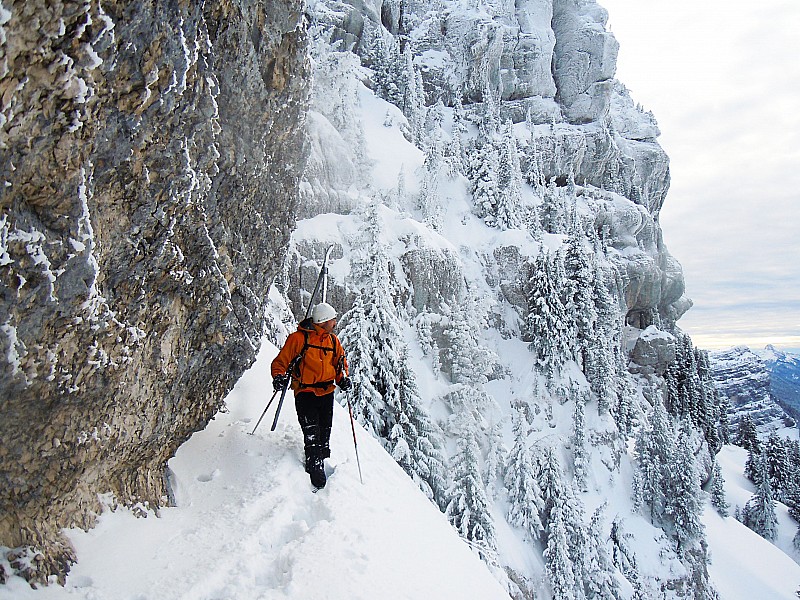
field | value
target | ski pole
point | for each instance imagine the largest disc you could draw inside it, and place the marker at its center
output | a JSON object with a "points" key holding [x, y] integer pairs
{"points": [[280, 404], [265, 412], [355, 443], [289, 371]]}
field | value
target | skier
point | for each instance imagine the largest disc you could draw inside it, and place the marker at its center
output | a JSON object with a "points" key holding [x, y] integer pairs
{"points": [[321, 364]]}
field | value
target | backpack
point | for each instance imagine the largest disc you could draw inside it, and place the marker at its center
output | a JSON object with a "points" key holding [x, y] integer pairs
{"points": [[304, 327]]}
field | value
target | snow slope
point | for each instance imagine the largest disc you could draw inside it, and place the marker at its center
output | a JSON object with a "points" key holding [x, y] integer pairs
{"points": [[744, 566], [248, 526]]}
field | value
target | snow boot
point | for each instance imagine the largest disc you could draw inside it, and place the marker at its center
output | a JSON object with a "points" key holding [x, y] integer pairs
{"points": [[316, 469]]}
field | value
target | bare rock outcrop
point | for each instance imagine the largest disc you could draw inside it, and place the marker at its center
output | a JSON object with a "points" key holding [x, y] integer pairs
{"points": [[150, 155]]}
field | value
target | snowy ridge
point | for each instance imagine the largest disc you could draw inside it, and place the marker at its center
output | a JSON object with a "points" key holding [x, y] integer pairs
{"points": [[439, 236], [785, 378], [247, 526], [745, 377]]}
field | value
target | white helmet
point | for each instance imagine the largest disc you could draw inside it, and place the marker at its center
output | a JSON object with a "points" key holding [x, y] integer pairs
{"points": [[323, 312]]}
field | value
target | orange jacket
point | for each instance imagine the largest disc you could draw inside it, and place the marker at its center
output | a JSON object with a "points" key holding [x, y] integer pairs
{"points": [[323, 363]]}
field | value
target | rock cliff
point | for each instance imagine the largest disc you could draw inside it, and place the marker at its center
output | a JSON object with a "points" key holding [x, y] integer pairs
{"points": [[745, 379], [150, 155], [552, 63]]}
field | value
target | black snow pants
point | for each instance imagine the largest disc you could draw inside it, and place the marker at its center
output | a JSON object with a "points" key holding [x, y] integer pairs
{"points": [[315, 414]]}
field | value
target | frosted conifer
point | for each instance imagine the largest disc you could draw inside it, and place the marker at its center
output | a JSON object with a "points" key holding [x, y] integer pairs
{"points": [[655, 451], [557, 559], [546, 318], [524, 494], [602, 583], [778, 467], [509, 180], [468, 508], [682, 502], [746, 435], [759, 512], [580, 455], [718, 500], [578, 299], [482, 166]]}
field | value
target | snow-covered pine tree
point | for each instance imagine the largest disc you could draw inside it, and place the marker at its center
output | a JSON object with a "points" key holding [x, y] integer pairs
{"points": [[533, 174], [413, 105], [424, 323], [746, 434], [525, 502], [623, 556], [579, 453], [455, 152], [602, 342], [509, 181], [383, 55], [683, 503], [430, 202], [550, 482], [385, 396], [718, 499], [357, 335], [558, 563], [483, 162], [778, 467], [751, 466], [493, 465], [759, 512], [468, 508], [708, 405], [603, 583], [546, 319], [623, 411], [579, 305], [553, 211], [655, 452], [418, 444]]}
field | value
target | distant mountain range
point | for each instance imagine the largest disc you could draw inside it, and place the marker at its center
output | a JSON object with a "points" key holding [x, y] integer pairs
{"points": [[762, 383], [784, 368]]}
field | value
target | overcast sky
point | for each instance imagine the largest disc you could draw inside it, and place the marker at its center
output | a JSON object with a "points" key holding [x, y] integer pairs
{"points": [[722, 78]]}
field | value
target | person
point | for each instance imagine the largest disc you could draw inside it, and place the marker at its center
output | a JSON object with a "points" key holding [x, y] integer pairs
{"points": [[322, 364]]}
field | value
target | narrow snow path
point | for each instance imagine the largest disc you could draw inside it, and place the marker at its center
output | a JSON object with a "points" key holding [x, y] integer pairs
{"points": [[248, 526]]}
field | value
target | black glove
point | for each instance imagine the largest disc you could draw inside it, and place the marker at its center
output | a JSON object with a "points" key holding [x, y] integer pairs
{"points": [[345, 383], [279, 382]]}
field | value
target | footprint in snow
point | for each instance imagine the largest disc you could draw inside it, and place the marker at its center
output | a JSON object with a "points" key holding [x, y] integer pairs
{"points": [[206, 477]]}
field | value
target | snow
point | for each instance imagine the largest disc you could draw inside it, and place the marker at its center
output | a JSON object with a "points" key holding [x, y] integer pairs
{"points": [[247, 525], [744, 566], [386, 146]]}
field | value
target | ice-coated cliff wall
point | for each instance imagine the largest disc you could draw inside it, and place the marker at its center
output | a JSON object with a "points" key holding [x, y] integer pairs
{"points": [[149, 162]]}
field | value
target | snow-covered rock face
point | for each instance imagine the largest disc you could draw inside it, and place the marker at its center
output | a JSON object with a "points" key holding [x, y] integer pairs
{"points": [[150, 155], [785, 379], [744, 378], [653, 352], [491, 197], [584, 59], [551, 62]]}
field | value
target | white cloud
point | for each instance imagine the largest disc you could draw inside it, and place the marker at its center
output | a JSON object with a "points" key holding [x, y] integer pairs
{"points": [[723, 80]]}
